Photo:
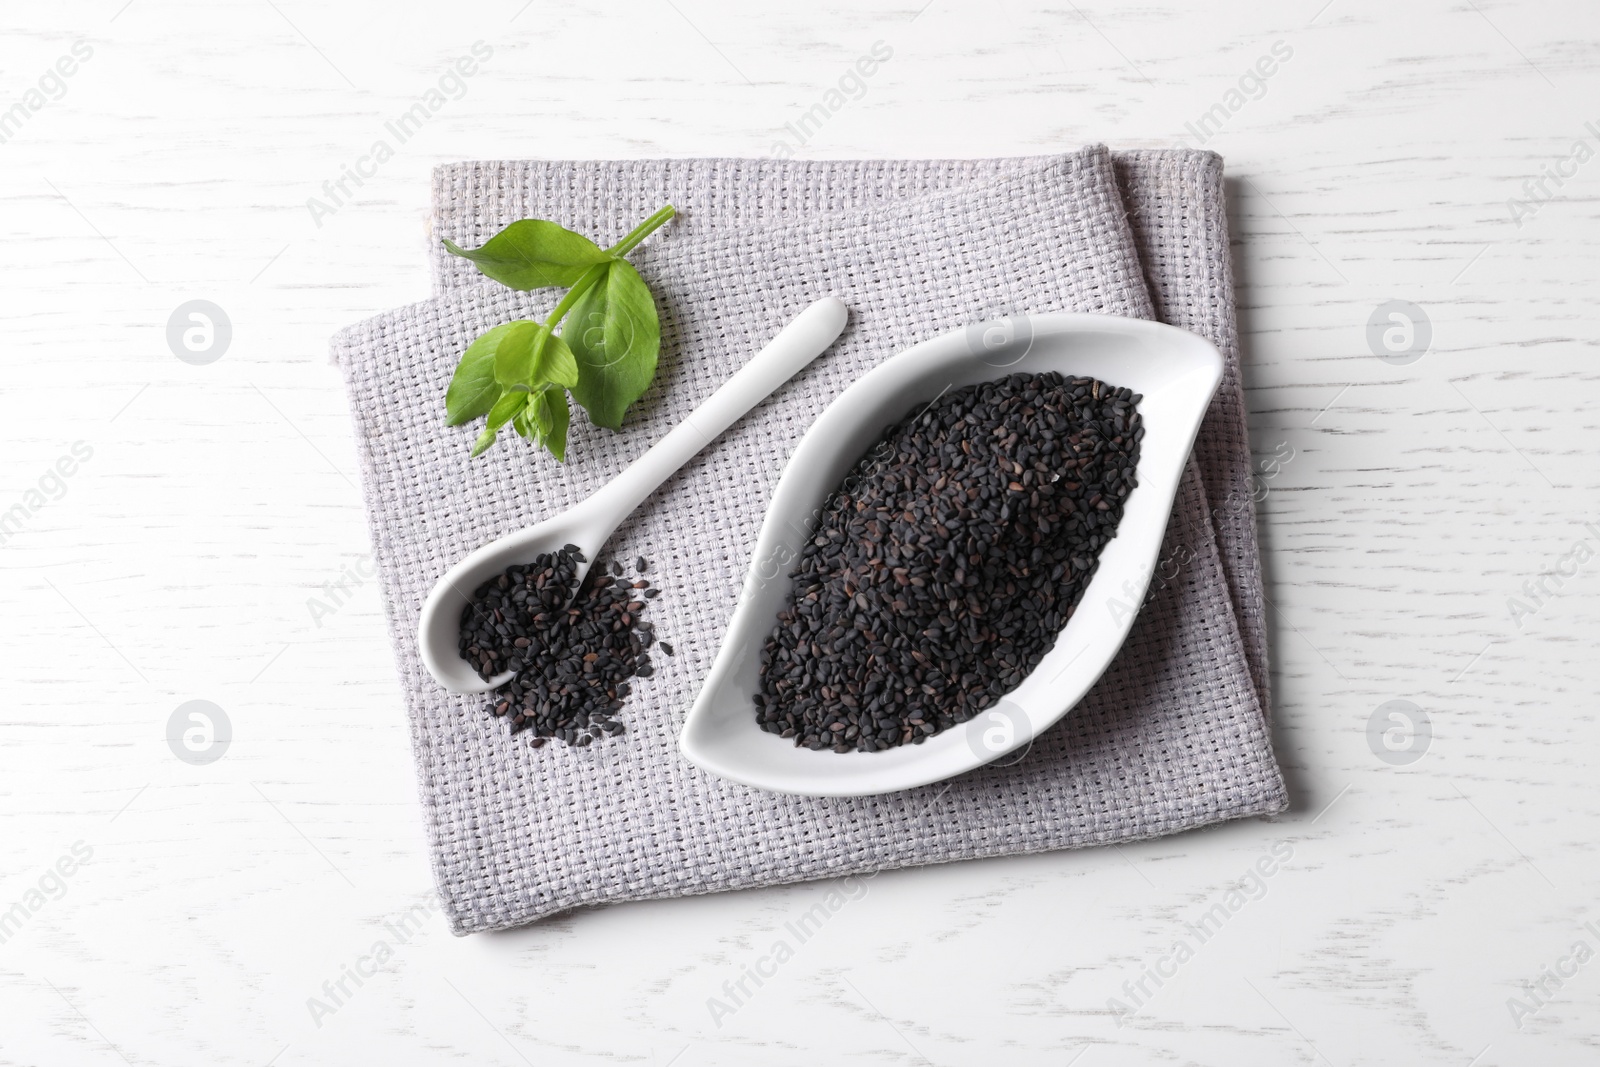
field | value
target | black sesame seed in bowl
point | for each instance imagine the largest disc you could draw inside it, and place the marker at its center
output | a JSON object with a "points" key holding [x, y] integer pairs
{"points": [[942, 570]]}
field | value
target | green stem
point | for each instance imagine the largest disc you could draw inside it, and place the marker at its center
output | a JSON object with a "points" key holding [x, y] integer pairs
{"points": [[591, 277], [641, 231], [589, 280], [585, 282]]}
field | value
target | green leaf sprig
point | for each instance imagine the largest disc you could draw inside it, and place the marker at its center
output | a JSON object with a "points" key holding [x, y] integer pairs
{"points": [[605, 355]]}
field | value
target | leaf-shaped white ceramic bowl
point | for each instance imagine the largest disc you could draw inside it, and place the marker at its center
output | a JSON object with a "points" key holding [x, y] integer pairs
{"points": [[1177, 371]]}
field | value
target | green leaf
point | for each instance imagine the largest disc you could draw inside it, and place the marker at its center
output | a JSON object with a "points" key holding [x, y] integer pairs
{"points": [[615, 336], [531, 355], [505, 409], [481, 445], [513, 357], [550, 418], [474, 389], [544, 420], [557, 363], [533, 254]]}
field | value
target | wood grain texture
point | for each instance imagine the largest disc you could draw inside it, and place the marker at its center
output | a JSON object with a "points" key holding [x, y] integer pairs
{"points": [[178, 561]]}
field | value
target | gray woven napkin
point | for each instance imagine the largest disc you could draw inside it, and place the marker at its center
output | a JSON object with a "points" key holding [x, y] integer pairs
{"points": [[1173, 737], [1175, 203]]}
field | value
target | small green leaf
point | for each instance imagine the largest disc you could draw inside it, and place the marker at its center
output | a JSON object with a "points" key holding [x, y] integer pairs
{"points": [[474, 389], [615, 336], [506, 408], [531, 355], [556, 363], [551, 417], [533, 254], [481, 445], [513, 357]]}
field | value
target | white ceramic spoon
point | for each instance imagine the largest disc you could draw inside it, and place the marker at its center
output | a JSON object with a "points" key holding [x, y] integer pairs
{"points": [[590, 524]]}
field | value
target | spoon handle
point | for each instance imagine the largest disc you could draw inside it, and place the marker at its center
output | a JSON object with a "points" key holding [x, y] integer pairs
{"points": [[805, 338]]}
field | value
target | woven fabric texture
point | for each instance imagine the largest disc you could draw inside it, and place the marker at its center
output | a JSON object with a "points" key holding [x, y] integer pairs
{"points": [[1173, 737], [1175, 203]]}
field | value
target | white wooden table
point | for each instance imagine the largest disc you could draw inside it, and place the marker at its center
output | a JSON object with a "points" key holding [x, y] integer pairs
{"points": [[173, 555]]}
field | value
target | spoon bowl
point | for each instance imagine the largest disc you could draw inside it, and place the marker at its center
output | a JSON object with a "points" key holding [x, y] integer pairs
{"points": [[585, 526], [590, 524]]}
